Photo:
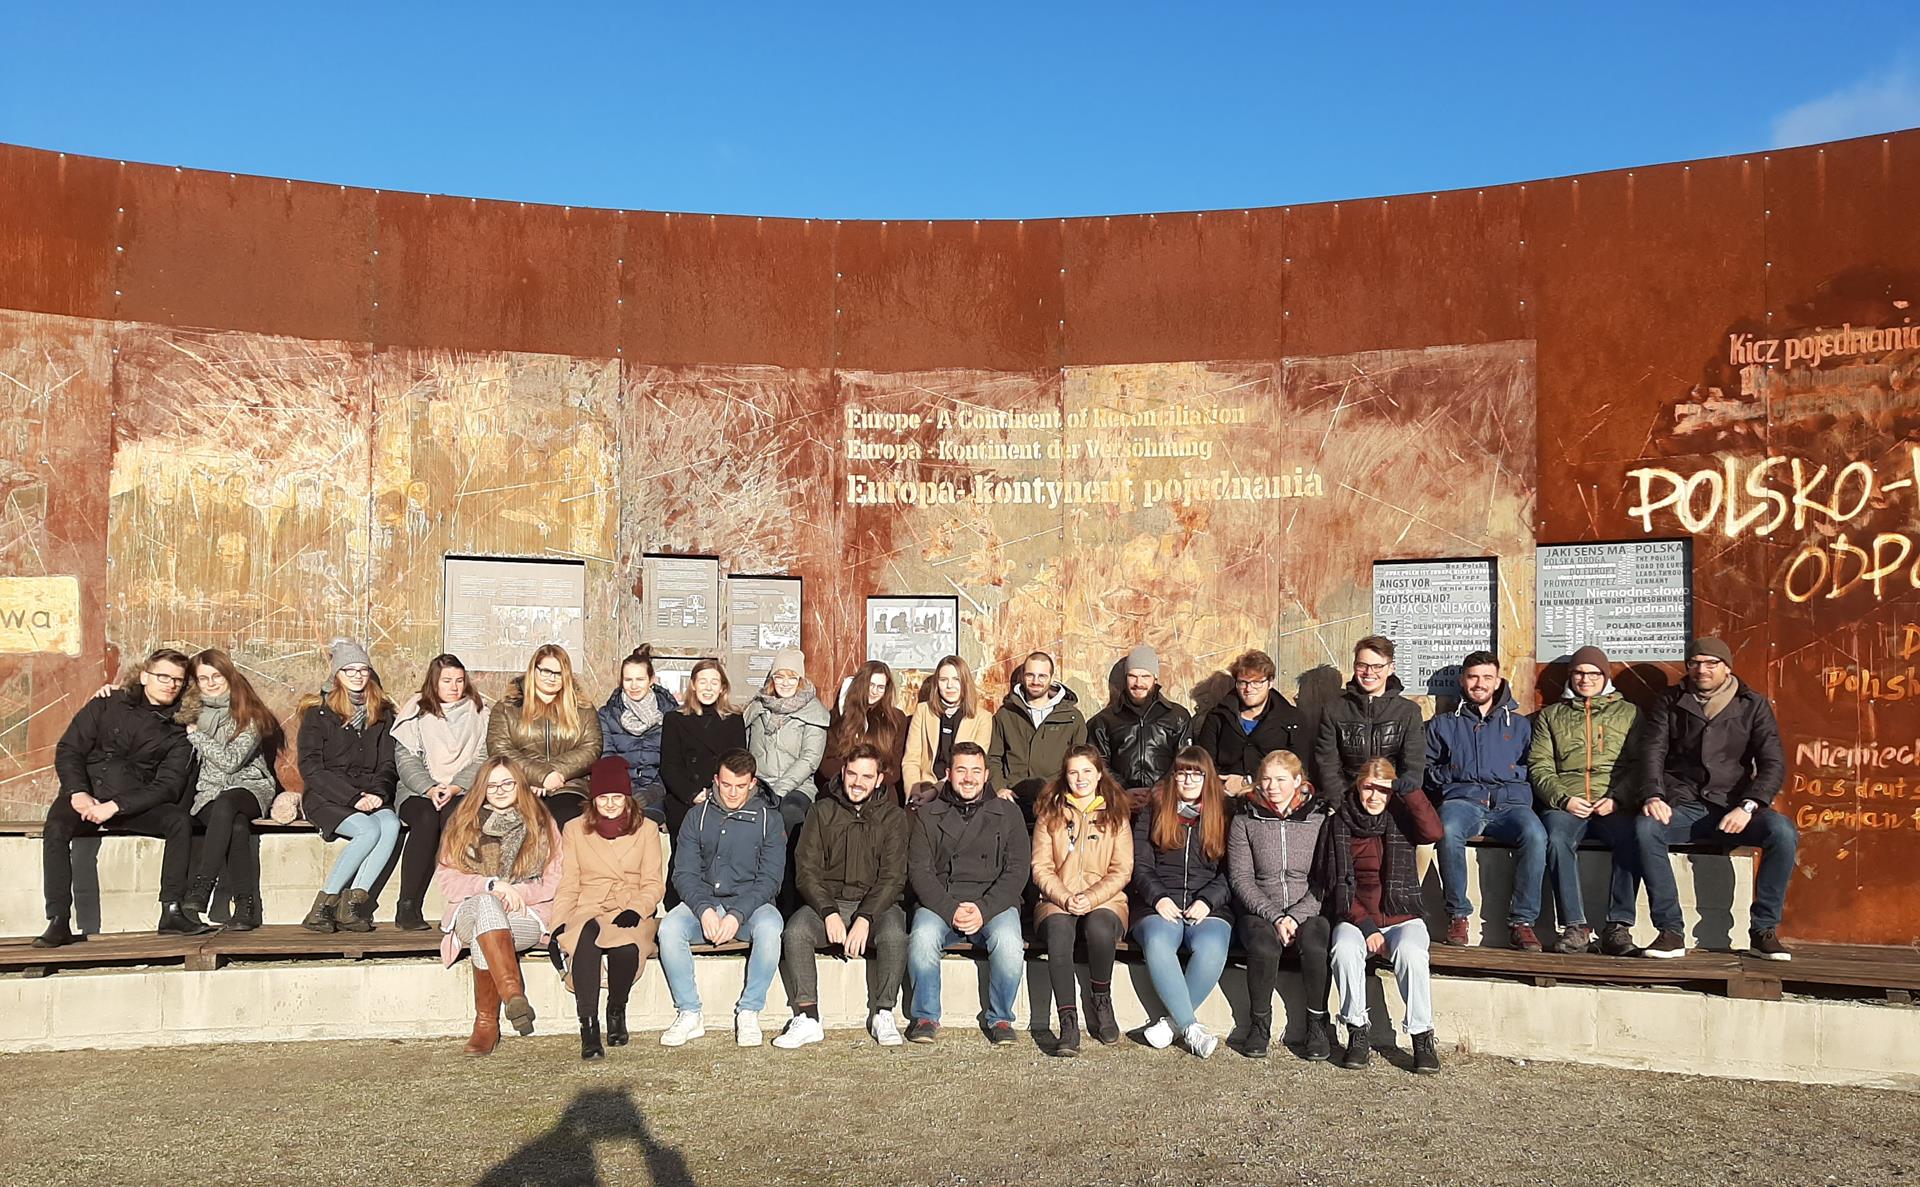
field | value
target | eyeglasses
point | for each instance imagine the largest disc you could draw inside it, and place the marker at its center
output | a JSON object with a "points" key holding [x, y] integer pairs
{"points": [[1377, 788], [553, 673], [1254, 683], [1705, 663], [356, 670], [503, 784], [1372, 669], [169, 681], [1189, 776], [1587, 674]]}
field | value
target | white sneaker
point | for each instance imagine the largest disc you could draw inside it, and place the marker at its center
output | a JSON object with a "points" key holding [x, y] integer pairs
{"points": [[881, 1026], [687, 1024], [1200, 1040], [746, 1028], [1159, 1036], [800, 1031]]}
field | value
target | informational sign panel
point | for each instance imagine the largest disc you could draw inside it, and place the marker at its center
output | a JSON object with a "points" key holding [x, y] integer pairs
{"points": [[913, 634], [1633, 599], [498, 609], [763, 618], [681, 602], [1436, 612], [39, 614], [672, 672]]}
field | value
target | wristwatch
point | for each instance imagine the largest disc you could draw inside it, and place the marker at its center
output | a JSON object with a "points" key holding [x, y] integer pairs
{"points": [[1750, 806]]}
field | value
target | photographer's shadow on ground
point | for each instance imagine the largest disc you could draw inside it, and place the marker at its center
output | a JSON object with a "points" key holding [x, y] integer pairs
{"points": [[565, 1156]]}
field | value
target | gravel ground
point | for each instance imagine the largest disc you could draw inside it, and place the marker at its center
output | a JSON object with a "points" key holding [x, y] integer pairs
{"points": [[400, 1113]]}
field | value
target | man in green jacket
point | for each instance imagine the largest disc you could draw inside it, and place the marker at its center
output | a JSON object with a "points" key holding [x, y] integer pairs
{"points": [[1583, 779], [1035, 727]]}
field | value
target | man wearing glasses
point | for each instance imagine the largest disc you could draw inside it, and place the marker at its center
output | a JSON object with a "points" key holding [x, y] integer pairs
{"points": [[1249, 723], [1370, 719], [1712, 767], [122, 767]]}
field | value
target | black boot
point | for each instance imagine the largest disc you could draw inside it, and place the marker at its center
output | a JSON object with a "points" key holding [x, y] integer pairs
{"points": [[1319, 1036], [1425, 1057], [407, 917], [1359, 1051], [616, 1025], [57, 935], [246, 913], [590, 1047], [355, 911], [1259, 1037], [1069, 1044], [320, 915], [1100, 1023], [177, 920]]}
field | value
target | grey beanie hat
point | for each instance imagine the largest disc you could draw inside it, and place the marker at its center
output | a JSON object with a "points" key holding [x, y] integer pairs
{"points": [[344, 653], [1144, 659]]}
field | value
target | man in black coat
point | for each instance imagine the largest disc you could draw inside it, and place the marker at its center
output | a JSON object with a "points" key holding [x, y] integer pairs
{"points": [[1140, 733], [1370, 719], [1712, 766], [124, 766], [1249, 723]]}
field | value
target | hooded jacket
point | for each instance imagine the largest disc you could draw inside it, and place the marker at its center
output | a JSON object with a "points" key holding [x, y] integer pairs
{"points": [[1139, 741], [1183, 874], [541, 748], [1355, 727], [961, 851], [1481, 758], [787, 749], [1734, 757], [340, 764], [1236, 752], [1581, 748], [642, 751], [732, 861], [1270, 859], [123, 749], [1023, 751], [852, 852]]}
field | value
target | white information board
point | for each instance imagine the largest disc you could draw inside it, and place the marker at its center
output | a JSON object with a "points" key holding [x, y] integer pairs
{"points": [[913, 634], [1436, 612], [498, 609], [1633, 599], [681, 602]]}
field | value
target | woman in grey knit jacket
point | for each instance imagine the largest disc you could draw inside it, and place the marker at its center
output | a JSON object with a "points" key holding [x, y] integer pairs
{"points": [[235, 737]]}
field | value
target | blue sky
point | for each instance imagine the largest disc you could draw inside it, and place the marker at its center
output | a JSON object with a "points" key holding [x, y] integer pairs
{"points": [[916, 110]]}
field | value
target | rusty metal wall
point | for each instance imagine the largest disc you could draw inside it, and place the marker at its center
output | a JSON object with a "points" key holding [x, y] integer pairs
{"points": [[255, 413]]}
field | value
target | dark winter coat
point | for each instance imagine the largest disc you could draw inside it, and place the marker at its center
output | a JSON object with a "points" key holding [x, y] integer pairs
{"points": [[1235, 752], [961, 852], [1270, 860], [642, 751], [730, 861], [1356, 727], [1139, 741], [1023, 751], [1375, 883], [340, 764], [121, 748], [1734, 757], [853, 853], [1478, 758], [690, 748], [1183, 875]]}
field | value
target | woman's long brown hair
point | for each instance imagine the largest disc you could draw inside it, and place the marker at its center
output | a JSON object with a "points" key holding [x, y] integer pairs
{"points": [[1050, 806], [969, 691], [564, 709], [855, 721], [430, 687], [1164, 804], [460, 843], [246, 708]]}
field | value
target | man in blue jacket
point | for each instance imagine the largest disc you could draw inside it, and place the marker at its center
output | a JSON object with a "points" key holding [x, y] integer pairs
{"points": [[728, 860], [1477, 771]]}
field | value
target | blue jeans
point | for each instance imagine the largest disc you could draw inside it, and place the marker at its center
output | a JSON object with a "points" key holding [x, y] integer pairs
{"points": [[1565, 831], [1006, 961], [1700, 823], [1182, 991], [1407, 948], [371, 837], [680, 930], [1516, 824]]}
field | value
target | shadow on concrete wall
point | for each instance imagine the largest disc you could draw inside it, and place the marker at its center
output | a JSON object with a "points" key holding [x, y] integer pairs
{"points": [[564, 1155]]}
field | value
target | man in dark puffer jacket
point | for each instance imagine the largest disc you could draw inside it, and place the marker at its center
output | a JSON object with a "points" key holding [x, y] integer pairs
{"points": [[1140, 733], [1370, 720]]}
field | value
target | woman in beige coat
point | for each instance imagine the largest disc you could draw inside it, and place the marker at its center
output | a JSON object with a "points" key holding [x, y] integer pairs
{"points": [[1082, 863], [949, 712], [611, 883]]}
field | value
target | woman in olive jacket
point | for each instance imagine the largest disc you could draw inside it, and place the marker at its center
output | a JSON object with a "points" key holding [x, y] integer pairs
{"points": [[552, 731], [1082, 863]]}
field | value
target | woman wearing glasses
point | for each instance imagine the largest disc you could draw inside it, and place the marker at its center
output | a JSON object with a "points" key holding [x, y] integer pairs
{"points": [[235, 737], [439, 742], [346, 759], [1250, 722], [1180, 878], [547, 725], [786, 734], [499, 870]]}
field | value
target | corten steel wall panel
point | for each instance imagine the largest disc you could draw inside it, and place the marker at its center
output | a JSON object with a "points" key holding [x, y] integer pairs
{"points": [[491, 452], [246, 253], [710, 289], [1423, 270], [465, 274], [55, 393], [57, 225], [1175, 287], [922, 295], [1843, 250]]}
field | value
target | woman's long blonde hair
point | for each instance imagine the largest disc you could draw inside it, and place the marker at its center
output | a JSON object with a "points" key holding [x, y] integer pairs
{"points": [[460, 843], [564, 710]]}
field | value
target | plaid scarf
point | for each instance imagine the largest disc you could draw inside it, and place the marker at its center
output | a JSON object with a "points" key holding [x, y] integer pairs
{"points": [[1332, 876]]}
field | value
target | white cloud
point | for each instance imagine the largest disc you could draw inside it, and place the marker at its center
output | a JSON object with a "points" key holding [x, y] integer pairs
{"points": [[1882, 102]]}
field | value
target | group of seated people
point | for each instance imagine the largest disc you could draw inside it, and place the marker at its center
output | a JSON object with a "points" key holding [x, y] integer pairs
{"points": [[873, 833]]}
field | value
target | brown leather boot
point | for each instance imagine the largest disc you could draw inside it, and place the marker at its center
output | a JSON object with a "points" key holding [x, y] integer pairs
{"points": [[504, 963], [486, 1014]]}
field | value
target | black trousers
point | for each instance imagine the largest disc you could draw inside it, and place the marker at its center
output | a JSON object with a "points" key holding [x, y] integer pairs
{"points": [[623, 969], [420, 846], [169, 822], [1102, 929], [1262, 944], [886, 957], [227, 850]]}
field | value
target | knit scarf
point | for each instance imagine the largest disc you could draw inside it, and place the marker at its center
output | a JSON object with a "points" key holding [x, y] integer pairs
{"points": [[503, 829], [781, 708], [214, 715], [449, 743], [359, 702], [1332, 876], [612, 827], [637, 717], [1720, 698]]}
